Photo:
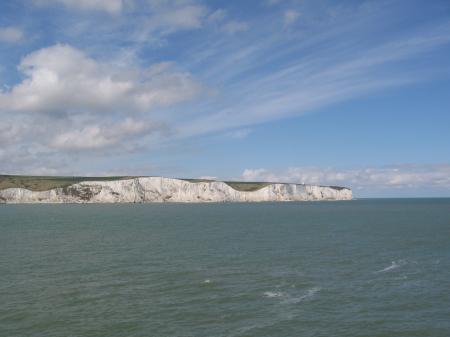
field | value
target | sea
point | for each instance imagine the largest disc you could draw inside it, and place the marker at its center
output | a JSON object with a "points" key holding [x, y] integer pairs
{"points": [[369, 267]]}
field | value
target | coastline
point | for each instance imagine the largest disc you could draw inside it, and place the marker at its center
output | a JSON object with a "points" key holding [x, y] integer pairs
{"points": [[160, 190]]}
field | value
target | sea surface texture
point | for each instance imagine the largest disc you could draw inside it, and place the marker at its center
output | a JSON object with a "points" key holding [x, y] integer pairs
{"points": [[348, 268]]}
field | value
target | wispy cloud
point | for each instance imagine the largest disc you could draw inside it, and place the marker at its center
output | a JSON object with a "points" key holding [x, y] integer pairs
{"points": [[166, 17], [239, 133], [218, 15], [94, 136], [110, 6], [233, 27], [11, 34], [258, 89], [290, 16]]}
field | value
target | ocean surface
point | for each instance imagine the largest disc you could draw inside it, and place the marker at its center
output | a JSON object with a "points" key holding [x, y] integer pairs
{"points": [[349, 268]]}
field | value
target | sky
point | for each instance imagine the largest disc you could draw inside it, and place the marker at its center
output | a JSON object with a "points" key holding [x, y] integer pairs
{"points": [[348, 93]]}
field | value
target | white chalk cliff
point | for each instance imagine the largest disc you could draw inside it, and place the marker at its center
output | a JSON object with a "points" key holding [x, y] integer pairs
{"points": [[158, 189]]}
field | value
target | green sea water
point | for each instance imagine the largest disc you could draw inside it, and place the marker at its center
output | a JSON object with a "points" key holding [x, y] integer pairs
{"points": [[356, 268]]}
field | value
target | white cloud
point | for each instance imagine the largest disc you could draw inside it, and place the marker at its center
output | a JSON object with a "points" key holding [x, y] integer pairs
{"points": [[207, 177], [185, 17], [392, 177], [110, 6], [99, 136], [167, 17], [68, 102], [290, 16], [9, 133], [10, 34], [63, 80], [232, 27], [239, 134], [217, 15]]}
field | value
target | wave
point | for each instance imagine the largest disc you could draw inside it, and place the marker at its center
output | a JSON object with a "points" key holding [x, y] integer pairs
{"points": [[309, 294], [274, 294], [394, 265], [288, 299]]}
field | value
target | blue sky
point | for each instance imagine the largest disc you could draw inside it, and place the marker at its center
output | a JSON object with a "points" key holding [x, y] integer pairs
{"points": [[353, 93]]}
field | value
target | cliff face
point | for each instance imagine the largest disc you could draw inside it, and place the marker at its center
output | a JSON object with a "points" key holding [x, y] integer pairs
{"points": [[157, 189]]}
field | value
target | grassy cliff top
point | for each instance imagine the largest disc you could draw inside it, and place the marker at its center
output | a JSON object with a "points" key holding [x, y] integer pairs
{"points": [[243, 186], [45, 183]]}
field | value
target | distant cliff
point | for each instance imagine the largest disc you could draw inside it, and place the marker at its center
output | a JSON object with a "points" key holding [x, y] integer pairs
{"points": [[158, 189]]}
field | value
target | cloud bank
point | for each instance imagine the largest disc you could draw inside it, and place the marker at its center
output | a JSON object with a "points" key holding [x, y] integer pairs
{"points": [[68, 101], [63, 80], [370, 180]]}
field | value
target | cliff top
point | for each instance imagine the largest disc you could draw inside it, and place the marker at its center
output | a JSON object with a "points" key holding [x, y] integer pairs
{"points": [[44, 183]]}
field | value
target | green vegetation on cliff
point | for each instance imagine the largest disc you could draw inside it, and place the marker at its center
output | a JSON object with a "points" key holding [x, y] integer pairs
{"points": [[246, 186], [242, 186], [45, 183]]}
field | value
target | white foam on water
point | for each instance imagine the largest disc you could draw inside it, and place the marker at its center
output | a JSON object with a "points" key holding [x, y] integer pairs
{"points": [[274, 320], [394, 265], [207, 281], [274, 294], [308, 295]]}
